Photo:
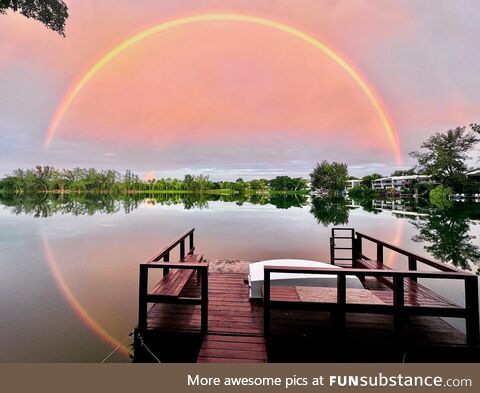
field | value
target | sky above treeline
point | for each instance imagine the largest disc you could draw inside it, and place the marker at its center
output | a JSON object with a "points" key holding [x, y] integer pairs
{"points": [[362, 82]]}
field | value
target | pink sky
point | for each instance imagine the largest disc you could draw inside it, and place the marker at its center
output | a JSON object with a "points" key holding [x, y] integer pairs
{"points": [[228, 97]]}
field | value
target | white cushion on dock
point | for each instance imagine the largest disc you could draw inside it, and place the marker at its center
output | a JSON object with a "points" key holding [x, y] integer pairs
{"points": [[255, 276]]}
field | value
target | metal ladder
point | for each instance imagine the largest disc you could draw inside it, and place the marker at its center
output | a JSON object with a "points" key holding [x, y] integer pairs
{"points": [[341, 235]]}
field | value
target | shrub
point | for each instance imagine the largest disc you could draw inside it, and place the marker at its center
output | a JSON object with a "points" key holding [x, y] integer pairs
{"points": [[440, 196], [361, 191]]}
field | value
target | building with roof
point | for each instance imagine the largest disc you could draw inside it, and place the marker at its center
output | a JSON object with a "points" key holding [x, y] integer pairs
{"points": [[474, 175], [399, 182], [353, 183]]}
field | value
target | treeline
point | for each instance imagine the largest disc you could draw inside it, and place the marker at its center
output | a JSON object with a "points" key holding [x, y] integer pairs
{"points": [[46, 205], [49, 179]]}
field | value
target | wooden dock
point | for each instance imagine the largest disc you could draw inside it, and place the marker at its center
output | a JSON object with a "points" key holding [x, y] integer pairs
{"points": [[210, 319], [235, 326]]}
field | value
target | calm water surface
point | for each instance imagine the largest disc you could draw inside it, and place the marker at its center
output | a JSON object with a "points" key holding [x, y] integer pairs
{"points": [[68, 281]]}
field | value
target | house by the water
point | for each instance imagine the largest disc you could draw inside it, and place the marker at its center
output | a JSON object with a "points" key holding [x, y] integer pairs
{"points": [[399, 182]]}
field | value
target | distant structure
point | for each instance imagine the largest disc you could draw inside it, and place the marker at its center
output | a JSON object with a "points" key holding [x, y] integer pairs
{"points": [[353, 183], [399, 182], [474, 175]]}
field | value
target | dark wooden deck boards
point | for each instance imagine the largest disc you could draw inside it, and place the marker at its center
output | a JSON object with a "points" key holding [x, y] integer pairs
{"points": [[308, 336], [232, 349], [235, 331], [415, 293], [235, 326]]}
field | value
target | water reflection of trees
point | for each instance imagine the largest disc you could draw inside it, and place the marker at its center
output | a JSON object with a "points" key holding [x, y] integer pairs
{"points": [[365, 203], [446, 235], [43, 205], [46, 205], [330, 211], [287, 201]]}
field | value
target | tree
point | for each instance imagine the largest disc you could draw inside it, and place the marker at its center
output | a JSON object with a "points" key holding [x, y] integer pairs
{"points": [[330, 177], [404, 172], [59, 180], [286, 201], [194, 183], [446, 235], [368, 180], [239, 186], [287, 183], [11, 185], [440, 196], [203, 182], [257, 184], [330, 211], [189, 183], [299, 183], [280, 183], [52, 13], [443, 155], [475, 127], [361, 192]]}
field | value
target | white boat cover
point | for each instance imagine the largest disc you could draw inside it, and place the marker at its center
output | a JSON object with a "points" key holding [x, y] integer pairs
{"points": [[255, 276]]}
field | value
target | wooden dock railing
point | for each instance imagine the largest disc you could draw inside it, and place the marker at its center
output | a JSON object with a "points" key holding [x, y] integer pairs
{"points": [[413, 259], [164, 255], [359, 259], [162, 261], [399, 309]]}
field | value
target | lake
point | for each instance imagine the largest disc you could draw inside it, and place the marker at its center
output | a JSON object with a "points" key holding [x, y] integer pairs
{"points": [[69, 265]]}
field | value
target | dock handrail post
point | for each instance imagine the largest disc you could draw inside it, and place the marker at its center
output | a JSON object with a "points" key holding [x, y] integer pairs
{"points": [[412, 265], [341, 300], [380, 253], [204, 306], [354, 247], [142, 298], [190, 237], [357, 252], [398, 303], [471, 306], [166, 258], [182, 250], [266, 304], [332, 249]]}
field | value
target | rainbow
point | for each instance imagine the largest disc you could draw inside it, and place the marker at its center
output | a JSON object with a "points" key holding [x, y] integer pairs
{"points": [[75, 304], [362, 83]]}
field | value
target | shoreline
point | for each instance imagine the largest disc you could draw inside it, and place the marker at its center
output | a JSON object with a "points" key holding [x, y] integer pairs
{"points": [[150, 192]]}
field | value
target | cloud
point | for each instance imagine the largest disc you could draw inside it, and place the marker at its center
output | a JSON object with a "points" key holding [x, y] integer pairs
{"points": [[150, 175]]}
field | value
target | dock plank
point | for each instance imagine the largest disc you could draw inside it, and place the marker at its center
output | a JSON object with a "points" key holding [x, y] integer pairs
{"points": [[232, 349]]}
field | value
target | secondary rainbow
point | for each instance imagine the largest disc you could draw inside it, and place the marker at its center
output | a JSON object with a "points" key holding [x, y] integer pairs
{"points": [[333, 55]]}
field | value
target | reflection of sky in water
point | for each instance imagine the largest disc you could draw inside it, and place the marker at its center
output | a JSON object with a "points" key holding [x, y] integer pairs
{"points": [[98, 257]]}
